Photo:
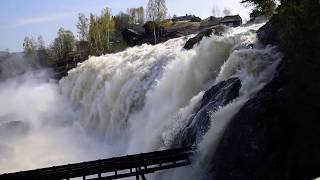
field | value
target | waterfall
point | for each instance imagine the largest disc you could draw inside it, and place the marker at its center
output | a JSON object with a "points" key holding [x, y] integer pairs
{"points": [[142, 99]]}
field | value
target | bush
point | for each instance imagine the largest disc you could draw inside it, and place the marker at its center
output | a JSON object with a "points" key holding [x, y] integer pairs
{"points": [[262, 7], [151, 26], [196, 19]]}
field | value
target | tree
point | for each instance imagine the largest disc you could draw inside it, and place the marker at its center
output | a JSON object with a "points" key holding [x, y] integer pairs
{"points": [[63, 44], [42, 52], [101, 31], [41, 43], [94, 36], [82, 26], [132, 15], [108, 27], [262, 7], [136, 15], [156, 12], [121, 21], [29, 46], [140, 15]]}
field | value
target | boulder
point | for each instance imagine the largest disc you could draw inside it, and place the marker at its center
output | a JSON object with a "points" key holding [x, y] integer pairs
{"points": [[268, 33], [198, 124], [217, 30]]}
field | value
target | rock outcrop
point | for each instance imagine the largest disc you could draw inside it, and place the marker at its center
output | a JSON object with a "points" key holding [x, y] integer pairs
{"points": [[217, 30], [268, 33], [219, 95], [275, 135]]}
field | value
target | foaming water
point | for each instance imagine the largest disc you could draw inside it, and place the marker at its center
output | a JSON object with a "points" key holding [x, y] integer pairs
{"points": [[130, 102]]}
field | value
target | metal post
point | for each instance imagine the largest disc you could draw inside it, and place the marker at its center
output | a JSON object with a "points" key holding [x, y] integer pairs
{"points": [[137, 176], [143, 177]]}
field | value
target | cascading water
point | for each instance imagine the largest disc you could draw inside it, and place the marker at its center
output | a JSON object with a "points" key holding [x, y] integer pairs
{"points": [[139, 100]]}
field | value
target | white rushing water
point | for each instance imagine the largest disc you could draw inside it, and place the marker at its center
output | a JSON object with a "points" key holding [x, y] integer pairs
{"points": [[130, 102]]}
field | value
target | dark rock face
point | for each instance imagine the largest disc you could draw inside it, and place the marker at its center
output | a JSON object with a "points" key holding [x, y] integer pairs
{"points": [[219, 95], [191, 42], [217, 30], [268, 33], [275, 135], [271, 137]]}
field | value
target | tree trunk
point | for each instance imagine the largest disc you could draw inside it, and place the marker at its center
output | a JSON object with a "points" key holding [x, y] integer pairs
{"points": [[154, 35]]}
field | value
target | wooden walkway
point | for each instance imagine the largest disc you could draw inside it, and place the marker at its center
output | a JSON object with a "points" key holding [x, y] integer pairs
{"points": [[119, 167]]}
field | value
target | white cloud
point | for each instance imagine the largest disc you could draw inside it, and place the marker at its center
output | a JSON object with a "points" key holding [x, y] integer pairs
{"points": [[44, 19], [37, 20]]}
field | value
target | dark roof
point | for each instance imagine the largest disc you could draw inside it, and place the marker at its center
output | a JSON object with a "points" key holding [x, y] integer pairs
{"points": [[182, 18], [137, 28], [231, 19], [132, 32], [212, 21]]}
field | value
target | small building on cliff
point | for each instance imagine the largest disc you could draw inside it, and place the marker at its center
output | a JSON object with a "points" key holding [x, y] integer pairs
{"points": [[231, 21], [132, 37], [183, 18]]}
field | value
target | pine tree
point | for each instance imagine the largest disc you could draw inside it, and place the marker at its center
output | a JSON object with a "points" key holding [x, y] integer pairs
{"points": [[262, 7]]}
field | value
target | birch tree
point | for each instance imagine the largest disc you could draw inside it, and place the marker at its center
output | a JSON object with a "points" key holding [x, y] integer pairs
{"points": [[136, 15], [101, 31], [108, 27], [156, 12], [82, 27], [63, 44], [30, 45]]}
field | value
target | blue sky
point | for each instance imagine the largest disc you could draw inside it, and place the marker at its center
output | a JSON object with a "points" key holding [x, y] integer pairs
{"points": [[20, 18]]}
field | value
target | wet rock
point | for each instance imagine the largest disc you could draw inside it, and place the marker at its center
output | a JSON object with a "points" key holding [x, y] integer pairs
{"points": [[219, 95], [217, 30], [268, 33], [275, 135]]}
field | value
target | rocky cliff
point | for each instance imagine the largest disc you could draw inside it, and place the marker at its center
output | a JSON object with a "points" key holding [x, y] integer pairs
{"points": [[276, 134]]}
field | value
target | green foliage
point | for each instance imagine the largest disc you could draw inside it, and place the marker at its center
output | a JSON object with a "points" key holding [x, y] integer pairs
{"points": [[101, 31], [151, 27], [262, 7], [156, 12], [196, 19], [30, 46], [63, 44], [166, 23], [136, 15], [42, 52], [82, 27], [121, 21], [35, 50]]}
